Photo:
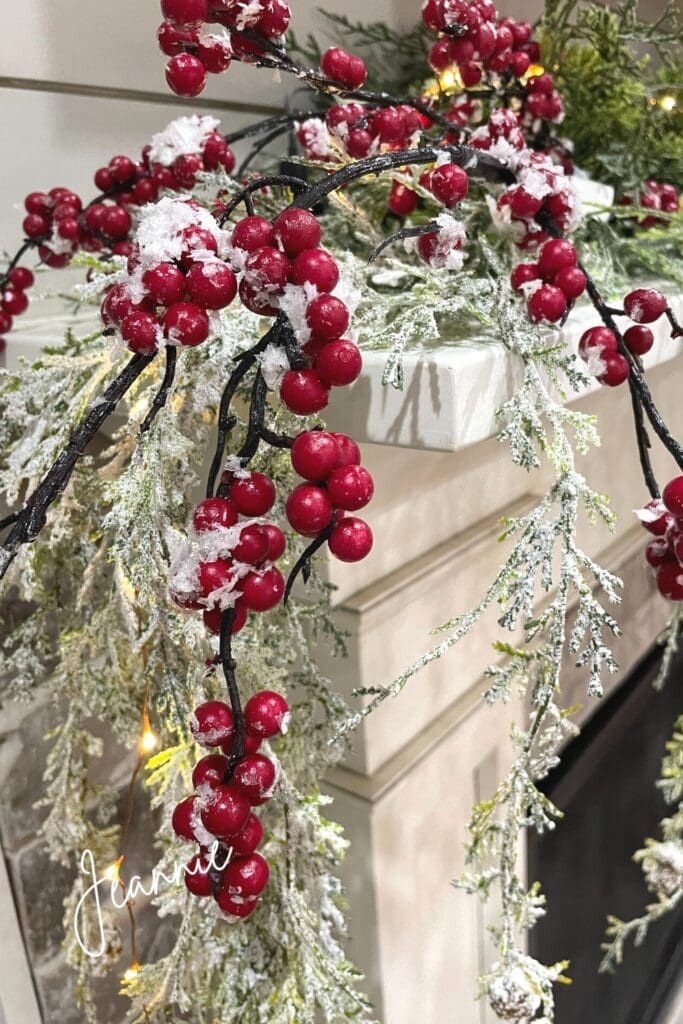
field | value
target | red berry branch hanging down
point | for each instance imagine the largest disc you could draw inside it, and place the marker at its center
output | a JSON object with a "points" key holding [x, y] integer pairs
{"points": [[185, 263]]}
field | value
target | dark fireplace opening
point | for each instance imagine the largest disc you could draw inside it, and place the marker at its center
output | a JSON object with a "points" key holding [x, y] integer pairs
{"points": [[606, 787]]}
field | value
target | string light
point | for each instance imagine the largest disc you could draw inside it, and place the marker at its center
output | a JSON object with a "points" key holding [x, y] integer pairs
{"points": [[533, 71], [132, 972], [112, 874], [449, 80], [667, 103], [149, 740]]}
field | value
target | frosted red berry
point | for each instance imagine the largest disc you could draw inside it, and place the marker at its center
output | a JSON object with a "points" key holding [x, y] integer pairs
{"points": [[556, 255], [348, 449], [184, 12], [213, 617], [277, 542], [449, 184], [645, 305], [21, 277], [254, 777], [547, 305], [296, 230], [616, 369], [639, 340], [187, 324], [140, 331], [210, 770], [266, 714], [165, 283], [328, 318], [658, 552], [197, 876], [673, 497], [253, 545], [248, 838], [14, 302], [524, 273], [670, 581], [226, 811], [186, 75], [214, 575], [600, 339], [214, 512], [184, 818], [252, 233], [316, 267], [253, 495], [211, 285], [212, 723], [246, 877], [571, 281]]}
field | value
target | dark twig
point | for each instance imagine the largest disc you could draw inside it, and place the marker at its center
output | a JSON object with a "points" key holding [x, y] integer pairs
{"points": [[398, 236], [228, 665], [284, 180], [276, 440], [259, 146], [32, 518], [162, 394], [282, 120], [303, 564]]}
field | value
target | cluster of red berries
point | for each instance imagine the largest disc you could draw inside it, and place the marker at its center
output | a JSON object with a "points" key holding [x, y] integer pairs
{"points": [[541, 188], [363, 132], [484, 42], [194, 52], [13, 298], [655, 196], [346, 68], [550, 284], [230, 561], [599, 347], [55, 222], [335, 483], [664, 519], [219, 816], [542, 98]]}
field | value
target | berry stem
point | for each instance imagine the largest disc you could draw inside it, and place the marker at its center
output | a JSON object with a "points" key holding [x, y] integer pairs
{"points": [[303, 564], [162, 394], [31, 519], [228, 665]]}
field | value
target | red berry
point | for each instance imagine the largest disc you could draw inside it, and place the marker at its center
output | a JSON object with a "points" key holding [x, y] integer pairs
{"points": [[277, 542], [68, 229], [248, 837], [186, 75], [254, 777], [616, 369], [599, 339], [309, 509], [122, 169], [449, 184], [571, 281], [315, 454], [21, 277], [212, 723], [140, 331], [658, 552], [327, 317], [214, 575], [37, 203], [670, 581], [520, 63], [14, 302], [639, 340], [213, 617], [317, 267], [236, 906], [186, 324], [348, 449], [198, 877], [522, 204], [389, 125], [524, 273], [351, 540], [250, 745], [5, 322], [274, 18], [655, 518], [184, 12], [471, 73], [555, 256], [53, 259], [215, 56], [214, 512], [350, 488], [296, 230], [358, 143], [343, 67], [266, 714], [673, 497], [165, 283], [402, 200], [256, 300], [184, 819], [171, 39], [267, 269], [645, 305], [253, 495], [303, 392], [339, 363], [245, 877], [210, 770], [262, 591], [225, 812], [35, 225], [116, 222], [253, 545], [252, 233], [212, 285], [547, 305]]}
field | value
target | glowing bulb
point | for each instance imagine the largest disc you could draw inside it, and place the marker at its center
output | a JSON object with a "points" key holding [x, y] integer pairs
{"points": [[132, 972], [668, 103], [533, 71], [149, 740], [112, 872]]}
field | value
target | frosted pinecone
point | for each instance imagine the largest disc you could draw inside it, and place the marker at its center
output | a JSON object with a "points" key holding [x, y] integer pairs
{"points": [[663, 868], [511, 994]]}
